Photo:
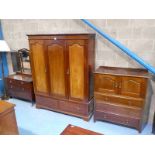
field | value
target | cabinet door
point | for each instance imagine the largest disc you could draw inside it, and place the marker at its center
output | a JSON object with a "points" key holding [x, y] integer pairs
{"points": [[38, 63], [106, 83], [132, 86], [57, 68], [77, 69]]}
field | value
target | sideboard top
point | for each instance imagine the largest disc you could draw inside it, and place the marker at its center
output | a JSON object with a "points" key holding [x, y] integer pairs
{"points": [[137, 72]]}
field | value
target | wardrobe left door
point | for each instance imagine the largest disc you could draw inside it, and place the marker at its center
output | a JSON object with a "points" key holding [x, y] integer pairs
{"points": [[39, 66], [57, 64]]}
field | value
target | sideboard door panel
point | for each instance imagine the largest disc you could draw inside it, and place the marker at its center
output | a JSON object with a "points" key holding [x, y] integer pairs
{"points": [[132, 86], [77, 69], [39, 66], [106, 84], [57, 68]]}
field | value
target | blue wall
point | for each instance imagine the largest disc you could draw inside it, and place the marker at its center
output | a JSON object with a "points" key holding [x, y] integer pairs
{"points": [[4, 60]]}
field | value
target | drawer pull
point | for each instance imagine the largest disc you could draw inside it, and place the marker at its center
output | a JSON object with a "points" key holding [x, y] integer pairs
{"points": [[127, 121], [78, 108], [10, 81], [129, 102], [106, 98], [105, 116]]}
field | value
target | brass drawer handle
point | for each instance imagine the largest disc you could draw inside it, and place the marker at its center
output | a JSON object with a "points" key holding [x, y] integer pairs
{"points": [[127, 122], [106, 99], [129, 102], [10, 81], [105, 116], [78, 108]]}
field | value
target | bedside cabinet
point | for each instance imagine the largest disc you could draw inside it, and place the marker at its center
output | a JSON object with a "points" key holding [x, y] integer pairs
{"points": [[20, 86], [122, 96], [8, 123]]}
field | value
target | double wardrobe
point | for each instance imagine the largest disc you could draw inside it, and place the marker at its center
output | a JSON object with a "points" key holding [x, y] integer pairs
{"points": [[62, 69]]}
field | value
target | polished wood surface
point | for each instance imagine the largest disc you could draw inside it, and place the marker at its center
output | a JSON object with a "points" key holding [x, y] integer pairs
{"points": [[38, 63], [76, 67], [75, 130], [8, 124], [133, 86], [136, 72], [106, 84], [20, 86], [56, 59], [69, 63], [122, 97]]}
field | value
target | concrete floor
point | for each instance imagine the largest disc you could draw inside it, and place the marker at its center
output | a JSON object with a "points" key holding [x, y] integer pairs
{"points": [[32, 121]]}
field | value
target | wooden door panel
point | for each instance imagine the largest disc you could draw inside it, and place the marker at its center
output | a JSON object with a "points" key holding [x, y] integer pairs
{"points": [[106, 84], [57, 71], [77, 72], [132, 86], [39, 67]]}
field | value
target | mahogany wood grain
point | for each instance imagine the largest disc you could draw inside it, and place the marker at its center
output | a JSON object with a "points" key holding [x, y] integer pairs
{"points": [[76, 69], [20, 86], [122, 96], [69, 63], [38, 62], [8, 124], [75, 130], [57, 68]]}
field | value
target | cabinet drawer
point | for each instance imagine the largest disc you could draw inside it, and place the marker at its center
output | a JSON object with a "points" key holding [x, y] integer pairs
{"points": [[119, 109], [72, 107], [47, 102], [120, 100], [20, 94], [18, 83], [118, 119]]}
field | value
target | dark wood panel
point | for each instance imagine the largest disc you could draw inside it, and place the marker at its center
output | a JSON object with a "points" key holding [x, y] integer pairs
{"points": [[137, 102], [8, 124], [133, 86], [57, 68], [106, 83], [20, 86], [119, 109], [115, 118], [123, 96], [77, 81], [39, 66], [69, 62], [75, 130]]}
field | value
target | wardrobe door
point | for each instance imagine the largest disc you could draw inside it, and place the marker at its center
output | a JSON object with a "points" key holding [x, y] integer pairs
{"points": [[57, 68], [77, 69], [39, 69]]}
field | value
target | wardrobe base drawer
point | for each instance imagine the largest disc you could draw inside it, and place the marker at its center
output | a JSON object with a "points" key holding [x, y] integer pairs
{"points": [[83, 110]]}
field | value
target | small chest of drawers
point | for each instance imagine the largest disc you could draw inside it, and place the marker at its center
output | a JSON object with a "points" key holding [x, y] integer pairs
{"points": [[20, 86], [122, 96]]}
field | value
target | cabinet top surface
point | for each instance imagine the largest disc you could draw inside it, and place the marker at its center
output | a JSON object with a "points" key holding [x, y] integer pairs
{"points": [[20, 77], [4, 106], [63, 34], [137, 72]]}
